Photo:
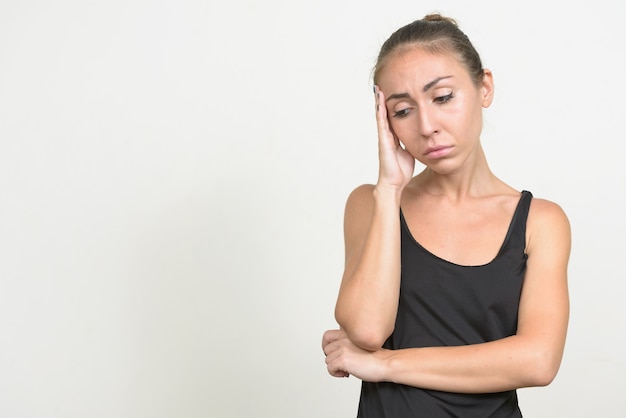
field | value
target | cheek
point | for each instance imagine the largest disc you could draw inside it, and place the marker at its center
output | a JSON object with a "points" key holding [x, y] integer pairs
{"points": [[408, 137], [394, 126], [401, 129], [473, 120]]}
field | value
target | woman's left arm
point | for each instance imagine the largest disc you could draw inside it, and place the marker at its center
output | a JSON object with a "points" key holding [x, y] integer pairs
{"points": [[530, 358]]}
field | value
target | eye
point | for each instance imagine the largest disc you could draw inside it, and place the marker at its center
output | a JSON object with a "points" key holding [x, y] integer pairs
{"points": [[444, 99], [401, 113]]}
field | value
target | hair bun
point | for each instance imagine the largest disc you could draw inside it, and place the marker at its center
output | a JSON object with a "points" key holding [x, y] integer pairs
{"points": [[436, 17], [435, 34]]}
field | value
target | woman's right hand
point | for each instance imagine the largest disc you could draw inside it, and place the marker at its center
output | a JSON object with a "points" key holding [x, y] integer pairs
{"points": [[396, 165], [370, 288]]}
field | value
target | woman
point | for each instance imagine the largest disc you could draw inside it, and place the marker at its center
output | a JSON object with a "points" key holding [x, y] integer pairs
{"points": [[454, 292]]}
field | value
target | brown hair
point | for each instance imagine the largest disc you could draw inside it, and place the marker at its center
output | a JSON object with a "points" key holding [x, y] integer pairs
{"points": [[436, 34]]}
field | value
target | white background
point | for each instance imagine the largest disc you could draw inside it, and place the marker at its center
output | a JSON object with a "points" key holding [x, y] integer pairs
{"points": [[172, 183]]}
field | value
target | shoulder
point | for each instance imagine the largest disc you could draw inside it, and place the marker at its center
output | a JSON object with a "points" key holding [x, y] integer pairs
{"points": [[357, 217], [361, 198], [362, 191], [547, 225], [544, 211], [359, 206]]}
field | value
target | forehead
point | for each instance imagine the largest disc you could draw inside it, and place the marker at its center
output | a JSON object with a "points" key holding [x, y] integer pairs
{"points": [[411, 65]]}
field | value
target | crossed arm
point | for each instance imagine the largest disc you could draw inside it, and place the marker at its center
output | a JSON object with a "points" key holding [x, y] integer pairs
{"points": [[368, 301], [369, 293]]}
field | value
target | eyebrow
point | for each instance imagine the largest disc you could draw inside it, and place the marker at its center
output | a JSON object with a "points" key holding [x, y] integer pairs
{"points": [[426, 87], [430, 84]]}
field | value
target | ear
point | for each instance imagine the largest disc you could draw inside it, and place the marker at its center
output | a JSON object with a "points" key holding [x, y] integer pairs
{"points": [[486, 89]]}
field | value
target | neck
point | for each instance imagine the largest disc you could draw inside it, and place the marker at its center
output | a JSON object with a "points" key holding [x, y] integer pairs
{"points": [[473, 179]]}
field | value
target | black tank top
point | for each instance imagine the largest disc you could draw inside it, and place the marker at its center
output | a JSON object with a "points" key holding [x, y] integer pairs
{"points": [[446, 304]]}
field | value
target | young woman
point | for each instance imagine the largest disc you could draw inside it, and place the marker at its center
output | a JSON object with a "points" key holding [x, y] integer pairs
{"points": [[455, 285]]}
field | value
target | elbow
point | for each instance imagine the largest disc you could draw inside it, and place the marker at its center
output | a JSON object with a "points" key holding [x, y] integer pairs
{"points": [[367, 340], [543, 370], [546, 376], [540, 378], [367, 336]]}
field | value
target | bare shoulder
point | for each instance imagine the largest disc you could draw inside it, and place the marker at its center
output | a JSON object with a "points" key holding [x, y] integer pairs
{"points": [[360, 200], [547, 225], [357, 217], [544, 211], [362, 191]]}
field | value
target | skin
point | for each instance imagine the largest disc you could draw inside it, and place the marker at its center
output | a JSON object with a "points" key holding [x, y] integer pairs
{"points": [[430, 110]]}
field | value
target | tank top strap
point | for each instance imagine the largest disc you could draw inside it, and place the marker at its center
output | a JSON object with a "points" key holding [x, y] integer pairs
{"points": [[516, 236]]}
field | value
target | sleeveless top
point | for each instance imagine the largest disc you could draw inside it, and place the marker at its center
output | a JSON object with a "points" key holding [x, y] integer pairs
{"points": [[446, 304]]}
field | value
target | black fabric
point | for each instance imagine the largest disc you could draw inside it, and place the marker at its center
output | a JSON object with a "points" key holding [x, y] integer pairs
{"points": [[445, 304]]}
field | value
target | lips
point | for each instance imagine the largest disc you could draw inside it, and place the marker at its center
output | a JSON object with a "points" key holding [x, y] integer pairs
{"points": [[438, 151]]}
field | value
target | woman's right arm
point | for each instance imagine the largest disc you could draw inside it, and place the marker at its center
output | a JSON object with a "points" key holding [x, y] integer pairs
{"points": [[368, 297]]}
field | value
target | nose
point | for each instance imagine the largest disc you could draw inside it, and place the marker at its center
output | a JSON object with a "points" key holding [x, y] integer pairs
{"points": [[427, 125]]}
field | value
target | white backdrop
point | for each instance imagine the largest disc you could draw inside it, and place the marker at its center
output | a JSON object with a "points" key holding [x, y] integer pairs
{"points": [[173, 176]]}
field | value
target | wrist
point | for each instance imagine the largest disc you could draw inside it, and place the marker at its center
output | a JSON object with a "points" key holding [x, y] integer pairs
{"points": [[387, 193], [385, 357]]}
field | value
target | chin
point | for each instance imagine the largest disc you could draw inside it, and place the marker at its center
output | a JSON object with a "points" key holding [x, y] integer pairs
{"points": [[444, 166]]}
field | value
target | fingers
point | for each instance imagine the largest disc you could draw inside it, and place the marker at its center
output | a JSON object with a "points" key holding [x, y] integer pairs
{"points": [[384, 132], [331, 345], [335, 352], [336, 372], [330, 336], [382, 118]]}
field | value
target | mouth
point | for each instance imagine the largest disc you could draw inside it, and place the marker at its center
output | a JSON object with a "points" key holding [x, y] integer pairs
{"points": [[438, 151]]}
